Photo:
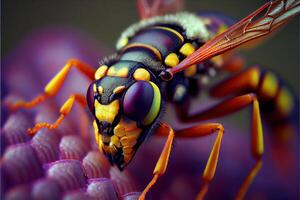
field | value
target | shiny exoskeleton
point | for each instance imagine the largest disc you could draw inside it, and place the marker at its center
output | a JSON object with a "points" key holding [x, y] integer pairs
{"points": [[127, 84]]}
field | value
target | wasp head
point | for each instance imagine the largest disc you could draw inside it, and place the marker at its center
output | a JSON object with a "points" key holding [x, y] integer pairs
{"points": [[125, 109]]}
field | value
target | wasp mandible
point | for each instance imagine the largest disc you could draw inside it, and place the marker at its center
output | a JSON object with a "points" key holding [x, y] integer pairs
{"points": [[159, 60]]}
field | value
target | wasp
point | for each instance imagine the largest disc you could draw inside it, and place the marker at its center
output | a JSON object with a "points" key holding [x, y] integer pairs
{"points": [[165, 59]]}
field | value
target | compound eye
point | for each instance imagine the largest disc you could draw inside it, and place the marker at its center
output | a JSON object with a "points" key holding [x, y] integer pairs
{"points": [[90, 97], [142, 102]]}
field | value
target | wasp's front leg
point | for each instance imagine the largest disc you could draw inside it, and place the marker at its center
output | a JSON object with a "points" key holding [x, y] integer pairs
{"points": [[55, 84], [64, 110], [163, 160]]}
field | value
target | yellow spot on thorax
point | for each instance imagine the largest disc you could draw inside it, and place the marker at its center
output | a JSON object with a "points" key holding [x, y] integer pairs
{"points": [[172, 60], [122, 72], [107, 112], [141, 74], [100, 72], [187, 49]]}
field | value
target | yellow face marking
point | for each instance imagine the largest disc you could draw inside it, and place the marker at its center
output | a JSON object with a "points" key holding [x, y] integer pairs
{"points": [[118, 89], [141, 74], [96, 132], [100, 89], [269, 85], [187, 49], [154, 50], [191, 71], [123, 72], [114, 140], [100, 72], [172, 60], [94, 88], [107, 112], [284, 101]]}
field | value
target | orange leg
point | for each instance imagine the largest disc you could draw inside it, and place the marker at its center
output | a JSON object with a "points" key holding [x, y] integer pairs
{"points": [[64, 110], [163, 160], [266, 85], [55, 84], [228, 107], [210, 168]]}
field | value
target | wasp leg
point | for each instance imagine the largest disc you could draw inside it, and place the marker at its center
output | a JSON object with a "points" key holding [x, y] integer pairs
{"points": [[64, 110], [275, 98], [228, 107], [56, 83], [163, 160]]}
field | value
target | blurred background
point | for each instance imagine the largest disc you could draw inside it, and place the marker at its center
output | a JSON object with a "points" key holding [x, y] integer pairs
{"points": [[101, 22]]}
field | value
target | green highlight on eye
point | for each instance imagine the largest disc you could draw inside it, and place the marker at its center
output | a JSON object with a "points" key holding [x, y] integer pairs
{"points": [[155, 107]]}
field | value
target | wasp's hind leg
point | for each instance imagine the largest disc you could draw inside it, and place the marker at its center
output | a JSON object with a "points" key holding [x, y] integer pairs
{"points": [[276, 100], [55, 84], [64, 110]]}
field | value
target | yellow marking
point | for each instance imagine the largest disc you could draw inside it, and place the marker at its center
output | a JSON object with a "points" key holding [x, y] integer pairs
{"points": [[187, 49], [118, 89], [170, 30], [96, 131], [284, 101], [114, 140], [66, 108], [254, 80], [100, 72], [217, 60], [95, 88], [222, 28], [119, 130], [123, 42], [155, 107], [100, 144], [107, 112], [100, 89], [128, 141], [141, 74], [151, 48], [269, 85], [191, 71], [123, 72], [128, 153], [172, 60]]}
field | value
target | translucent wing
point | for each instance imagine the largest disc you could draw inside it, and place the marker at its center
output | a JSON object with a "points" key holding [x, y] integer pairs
{"points": [[152, 8], [259, 23]]}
